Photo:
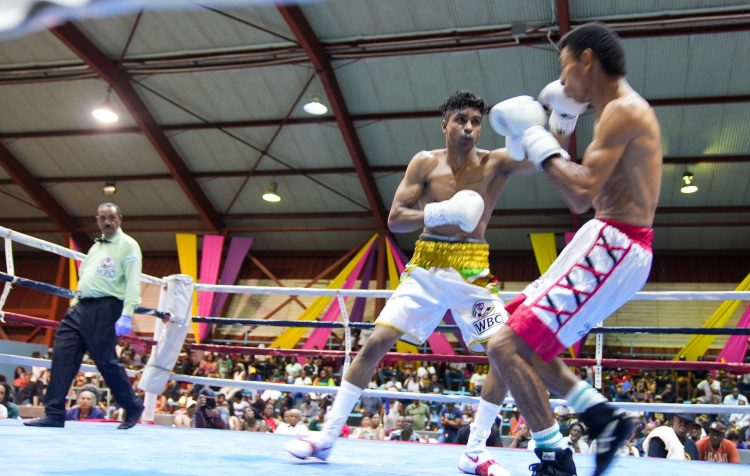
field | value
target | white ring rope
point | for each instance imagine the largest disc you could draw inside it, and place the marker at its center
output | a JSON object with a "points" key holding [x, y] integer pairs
{"points": [[59, 250], [368, 293], [430, 397], [505, 295]]}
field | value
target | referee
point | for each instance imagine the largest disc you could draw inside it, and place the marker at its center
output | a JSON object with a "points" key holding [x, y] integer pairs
{"points": [[108, 291]]}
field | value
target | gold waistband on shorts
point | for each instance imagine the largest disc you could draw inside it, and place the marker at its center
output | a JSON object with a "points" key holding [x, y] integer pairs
{"points": [[459, 256]]}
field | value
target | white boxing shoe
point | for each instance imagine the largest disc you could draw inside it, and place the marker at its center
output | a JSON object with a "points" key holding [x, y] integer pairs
{"points": [[480, 463], [306, 447]]}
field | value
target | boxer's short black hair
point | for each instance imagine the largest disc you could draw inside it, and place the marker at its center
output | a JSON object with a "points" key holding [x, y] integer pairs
{"points": [[603, 41], [461, 100]]}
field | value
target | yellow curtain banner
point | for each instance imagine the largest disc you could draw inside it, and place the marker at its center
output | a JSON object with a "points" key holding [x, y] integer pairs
{"points": [[393, 277], [72, 269], [289, 338], [545, 250], [187, 254], [699, 344]]}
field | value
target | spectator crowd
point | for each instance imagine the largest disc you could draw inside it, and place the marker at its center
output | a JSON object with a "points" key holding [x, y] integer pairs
{"points": [[683, 435]]}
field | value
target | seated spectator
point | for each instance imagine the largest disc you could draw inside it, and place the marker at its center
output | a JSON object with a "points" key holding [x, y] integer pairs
{"points": [[308, 408], [9, 408], [185, 415], [21, 380], [411, 381], [405, 432], [735, 398], [715, 447], [392, 410], [392, 383], [369, 429], [668, 395], [708, 390], [239, 372], [238, 404], [276, 376], [292, 424], [575, 440], [324, 379], [640, 393], [249, 422], [269, 418], [224, 366], [450, 421], [672, 441], [207, 366], [206, 414], [476, 382], [740, 420], [86, 407], [420, 413], [522, 437]]}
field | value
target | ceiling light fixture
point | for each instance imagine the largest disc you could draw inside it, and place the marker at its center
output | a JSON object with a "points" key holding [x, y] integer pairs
{"points": [[270, 195], [689, 185], [109, 188], [315, 107], [105, 113]]}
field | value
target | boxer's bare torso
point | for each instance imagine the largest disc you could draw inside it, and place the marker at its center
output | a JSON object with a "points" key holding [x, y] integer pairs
{"points": [[436, 175]]}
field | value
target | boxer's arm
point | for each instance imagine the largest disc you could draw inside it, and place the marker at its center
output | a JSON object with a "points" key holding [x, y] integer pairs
{"points": [[508, 166], [579, 184], [405, 215]]}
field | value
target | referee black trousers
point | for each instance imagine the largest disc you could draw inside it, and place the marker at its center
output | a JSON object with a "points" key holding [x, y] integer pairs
{"points": [[88, 326]]}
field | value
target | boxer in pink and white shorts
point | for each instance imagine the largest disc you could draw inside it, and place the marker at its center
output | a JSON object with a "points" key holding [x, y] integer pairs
{"points": [[609, 259]]}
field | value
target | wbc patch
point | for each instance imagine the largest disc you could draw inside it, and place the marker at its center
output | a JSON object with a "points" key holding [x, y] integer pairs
{"points": [[486, 316], [106, 268]]}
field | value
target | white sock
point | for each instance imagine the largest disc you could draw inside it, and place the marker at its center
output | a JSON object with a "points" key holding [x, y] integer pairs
{"points": [[343, 405], [549, 438], [583, 396], [480, 429]]}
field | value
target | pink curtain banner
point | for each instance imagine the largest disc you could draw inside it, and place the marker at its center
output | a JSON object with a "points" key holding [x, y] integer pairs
{"points": [[736, 347], [209, 272], [238, 249]]}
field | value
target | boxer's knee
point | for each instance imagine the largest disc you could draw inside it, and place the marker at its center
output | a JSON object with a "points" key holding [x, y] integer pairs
{"points": [[500, 347]]}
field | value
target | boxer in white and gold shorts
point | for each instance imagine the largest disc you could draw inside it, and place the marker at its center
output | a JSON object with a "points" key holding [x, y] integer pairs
{"points": [[442, 276]]}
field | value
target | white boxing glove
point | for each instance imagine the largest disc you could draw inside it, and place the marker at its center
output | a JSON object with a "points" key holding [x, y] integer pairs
{"points": [[464, 209], [521, 120], [564, 109]]}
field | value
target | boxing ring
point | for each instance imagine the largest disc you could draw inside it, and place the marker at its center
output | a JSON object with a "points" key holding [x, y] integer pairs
{"points": [[98, 448]]}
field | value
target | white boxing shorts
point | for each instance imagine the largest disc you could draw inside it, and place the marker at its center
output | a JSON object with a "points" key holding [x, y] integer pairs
{"points": [[605, 265], [443, 276]]}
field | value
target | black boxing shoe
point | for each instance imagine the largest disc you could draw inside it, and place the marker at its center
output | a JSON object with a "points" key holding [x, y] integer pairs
{"points": [[553, 462], [131, 418], [45, 421], [611, 428]]}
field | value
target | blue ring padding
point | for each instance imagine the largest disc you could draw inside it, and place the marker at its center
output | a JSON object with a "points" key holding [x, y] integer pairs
{"points": [[65, 292]]}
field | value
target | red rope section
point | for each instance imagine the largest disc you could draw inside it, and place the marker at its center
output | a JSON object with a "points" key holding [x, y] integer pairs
{"points": [[395, 356], [14, 318], [474, 359]]}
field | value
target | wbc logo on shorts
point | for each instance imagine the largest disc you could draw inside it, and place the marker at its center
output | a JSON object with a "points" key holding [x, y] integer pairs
{"points": [[486, 316]]}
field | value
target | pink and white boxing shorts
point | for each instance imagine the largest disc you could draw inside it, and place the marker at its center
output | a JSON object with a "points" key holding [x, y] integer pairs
{"points": [[605, 264]]}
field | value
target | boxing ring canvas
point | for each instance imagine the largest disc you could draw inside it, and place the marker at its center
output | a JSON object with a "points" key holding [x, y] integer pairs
{"points": [[97, 449]]}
